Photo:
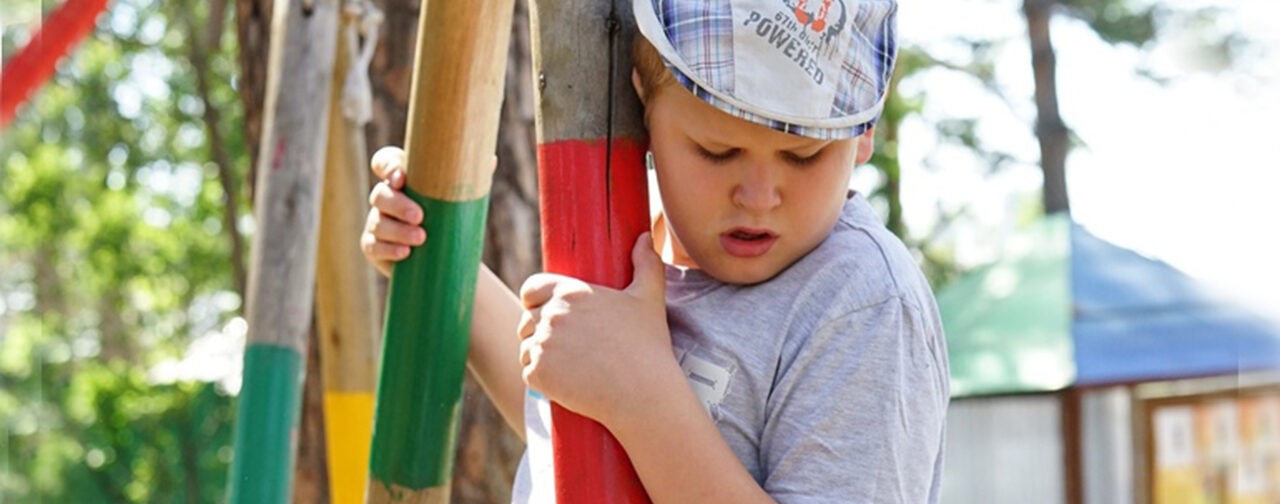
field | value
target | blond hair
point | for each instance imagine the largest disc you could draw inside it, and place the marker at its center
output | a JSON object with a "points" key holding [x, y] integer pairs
{"points": [[652, 70]]}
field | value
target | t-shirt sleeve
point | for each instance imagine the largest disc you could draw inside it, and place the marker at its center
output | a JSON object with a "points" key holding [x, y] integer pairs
{"points": [[856, 414]]}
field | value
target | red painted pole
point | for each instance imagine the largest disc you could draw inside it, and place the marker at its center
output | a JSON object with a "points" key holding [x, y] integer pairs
{"points": [[594, 207], [594, 200], [33, 65]]}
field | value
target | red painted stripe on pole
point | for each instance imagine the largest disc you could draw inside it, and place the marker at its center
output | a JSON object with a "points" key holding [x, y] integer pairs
{"points": [[33, 65], [590, 222], [591, 218]]}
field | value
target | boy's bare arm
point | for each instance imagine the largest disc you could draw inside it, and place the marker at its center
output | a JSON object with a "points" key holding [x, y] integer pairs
{"points": [[391, 230], [679, 453], [675, 448], [491, 358], [607, 354]]}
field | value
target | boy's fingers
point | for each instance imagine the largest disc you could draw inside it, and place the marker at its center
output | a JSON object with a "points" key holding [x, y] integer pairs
{"points": [[396, 232], [395, 204], [381, 253], [387, 160], [528, 323], [650, 276], [525, 358], [396, 179], [537, 290], [530, 352], [386, 252]]}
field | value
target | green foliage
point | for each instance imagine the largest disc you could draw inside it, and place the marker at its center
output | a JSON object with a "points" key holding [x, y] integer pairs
{"points": [[885, 157], [120, 438], [937, 261], [1117, 21], [115, 259]]}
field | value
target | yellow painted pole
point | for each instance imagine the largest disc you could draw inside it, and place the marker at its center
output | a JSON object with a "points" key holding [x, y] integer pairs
{"points": [[346, 299]]}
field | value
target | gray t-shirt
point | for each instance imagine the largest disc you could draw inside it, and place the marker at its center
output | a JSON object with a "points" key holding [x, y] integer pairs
{"points": [[829, 382]]}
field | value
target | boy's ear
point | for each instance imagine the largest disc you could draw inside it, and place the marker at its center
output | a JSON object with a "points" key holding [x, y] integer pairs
{"points": [[639, 86], [866, 146]]}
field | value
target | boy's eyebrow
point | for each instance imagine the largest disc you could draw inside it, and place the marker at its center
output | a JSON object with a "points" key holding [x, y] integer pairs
{"points": [[709, 142], [804, 150], [792, 155]]}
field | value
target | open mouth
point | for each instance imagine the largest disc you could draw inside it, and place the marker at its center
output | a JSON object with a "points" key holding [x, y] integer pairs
{"points": [[745, 242], [749, 236]]}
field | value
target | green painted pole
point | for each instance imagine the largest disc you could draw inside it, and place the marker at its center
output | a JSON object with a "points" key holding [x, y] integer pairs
{"points": [[282, 278], [452, 135]]}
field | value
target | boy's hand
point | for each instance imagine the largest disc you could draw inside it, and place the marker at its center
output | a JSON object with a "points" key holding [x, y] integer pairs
{"points": [[394, 221], [588, 347]]}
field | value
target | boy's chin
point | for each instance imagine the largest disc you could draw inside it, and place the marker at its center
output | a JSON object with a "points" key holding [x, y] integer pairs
{"points": [[742, 274]]}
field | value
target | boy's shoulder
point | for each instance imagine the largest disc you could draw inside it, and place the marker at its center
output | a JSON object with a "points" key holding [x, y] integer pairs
{"points": [[860, 264], [862, 281]]}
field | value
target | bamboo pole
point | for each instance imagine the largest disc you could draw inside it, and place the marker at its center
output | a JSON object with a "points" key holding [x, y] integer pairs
{"points": [[346, 299], [282, 279], [594, 199], [452, 134]]}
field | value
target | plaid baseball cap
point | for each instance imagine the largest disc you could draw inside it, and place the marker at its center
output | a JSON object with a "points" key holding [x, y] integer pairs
{"points": [[815, 68]]}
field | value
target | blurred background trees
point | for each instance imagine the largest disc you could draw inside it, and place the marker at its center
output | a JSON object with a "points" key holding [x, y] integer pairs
{"points": [[118, 255]]}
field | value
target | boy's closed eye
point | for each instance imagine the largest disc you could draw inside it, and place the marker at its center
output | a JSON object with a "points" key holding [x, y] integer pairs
{"points": [[800, 160], [720, 157]]}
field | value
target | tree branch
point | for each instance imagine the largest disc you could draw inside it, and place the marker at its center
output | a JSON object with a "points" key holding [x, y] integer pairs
{"points": [[200, 47]]}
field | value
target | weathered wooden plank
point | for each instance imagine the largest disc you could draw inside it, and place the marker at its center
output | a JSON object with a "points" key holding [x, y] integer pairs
{"points": [[582, 69]]}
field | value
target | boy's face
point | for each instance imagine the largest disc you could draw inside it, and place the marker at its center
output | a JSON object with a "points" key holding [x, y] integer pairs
{"points": [[744, 201]]}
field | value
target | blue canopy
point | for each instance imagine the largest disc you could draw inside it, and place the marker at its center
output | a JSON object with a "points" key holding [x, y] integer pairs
{"points": [[1139, 319], [1067, 308]]}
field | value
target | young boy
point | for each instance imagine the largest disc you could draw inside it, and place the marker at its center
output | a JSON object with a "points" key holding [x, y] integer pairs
{"points": [[791, 351]]}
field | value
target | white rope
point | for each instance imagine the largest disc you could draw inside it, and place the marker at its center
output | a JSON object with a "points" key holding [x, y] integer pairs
{"points": [[357, 91]]}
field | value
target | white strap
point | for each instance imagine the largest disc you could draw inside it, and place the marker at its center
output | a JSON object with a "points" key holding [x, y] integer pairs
{"points": [[357, 93]]}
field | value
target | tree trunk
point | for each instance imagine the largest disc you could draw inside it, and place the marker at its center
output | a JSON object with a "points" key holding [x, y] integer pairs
{"points": [[113, 336], [512, 242], [1054, 137], [50, 295], [310, 474], [199, 50], [391, 73], [887, 159], [253, 28]]}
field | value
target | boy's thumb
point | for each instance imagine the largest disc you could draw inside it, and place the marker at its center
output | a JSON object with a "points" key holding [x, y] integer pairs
{"points": [[649, 279]]}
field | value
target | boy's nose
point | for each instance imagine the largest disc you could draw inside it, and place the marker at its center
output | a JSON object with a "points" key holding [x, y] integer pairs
{"points": [[757, 190]]}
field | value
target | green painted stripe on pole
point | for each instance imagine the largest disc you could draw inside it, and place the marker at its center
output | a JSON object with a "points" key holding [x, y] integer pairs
{"points": [[424, 354], [266, 426]]}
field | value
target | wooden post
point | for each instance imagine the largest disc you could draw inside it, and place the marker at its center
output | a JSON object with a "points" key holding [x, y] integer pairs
{"points": [[346, 299], [594, 198], [451, 138], [1072, 454], [282, 279]]}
